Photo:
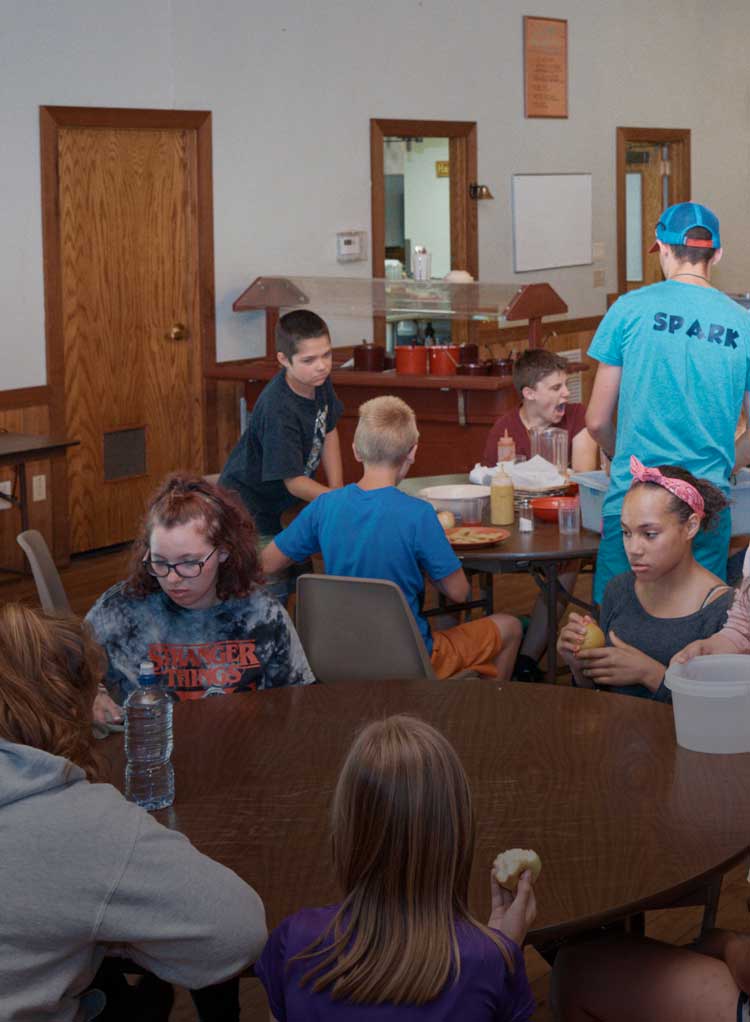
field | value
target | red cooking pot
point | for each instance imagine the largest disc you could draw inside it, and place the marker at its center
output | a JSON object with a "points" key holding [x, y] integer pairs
{"points": [[369, 357], [443, 359], [501, 367], [411, 360], [468, 354]]}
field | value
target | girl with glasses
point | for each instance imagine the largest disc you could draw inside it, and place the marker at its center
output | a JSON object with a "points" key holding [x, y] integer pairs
{"points": [[193, 603]]}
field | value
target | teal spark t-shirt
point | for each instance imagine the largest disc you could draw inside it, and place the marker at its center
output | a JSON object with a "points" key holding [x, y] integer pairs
{"points": [[685, 356]]}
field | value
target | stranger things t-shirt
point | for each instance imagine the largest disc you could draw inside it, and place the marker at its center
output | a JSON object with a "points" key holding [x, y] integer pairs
{"points": [[239, 645]]}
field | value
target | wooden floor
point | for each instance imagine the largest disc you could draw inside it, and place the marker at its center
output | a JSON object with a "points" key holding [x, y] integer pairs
{"points": [[89, 575]]}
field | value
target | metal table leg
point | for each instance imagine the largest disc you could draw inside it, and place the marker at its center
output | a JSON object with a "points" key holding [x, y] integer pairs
{"points": [[552, 590]]}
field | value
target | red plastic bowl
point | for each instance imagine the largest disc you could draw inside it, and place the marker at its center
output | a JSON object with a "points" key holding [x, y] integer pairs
{"points": [[545, 508]]}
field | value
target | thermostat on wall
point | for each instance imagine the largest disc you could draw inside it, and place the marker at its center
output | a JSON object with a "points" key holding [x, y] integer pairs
{"points": [[351, 246]]}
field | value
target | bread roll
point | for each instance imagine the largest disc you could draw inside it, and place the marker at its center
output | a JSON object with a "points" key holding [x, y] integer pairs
{"points": [[508, 867]]}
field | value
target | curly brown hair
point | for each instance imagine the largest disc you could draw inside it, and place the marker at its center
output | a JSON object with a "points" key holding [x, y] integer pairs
{"points": [[49, 671], [714, 500], [185, 498]]}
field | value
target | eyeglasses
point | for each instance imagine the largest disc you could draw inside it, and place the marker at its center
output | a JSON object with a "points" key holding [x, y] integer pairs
{"points": [[185, 569]]}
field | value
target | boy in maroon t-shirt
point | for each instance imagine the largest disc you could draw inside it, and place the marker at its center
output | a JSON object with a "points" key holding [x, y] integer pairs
{"points": [[540, 378]]}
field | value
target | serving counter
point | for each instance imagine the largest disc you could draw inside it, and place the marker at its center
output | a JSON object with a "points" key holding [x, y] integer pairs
{"points": [[454, 413]]}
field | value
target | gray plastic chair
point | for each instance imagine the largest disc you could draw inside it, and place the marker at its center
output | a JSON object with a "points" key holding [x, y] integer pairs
{"points": [[358, 629], [49, 585]]}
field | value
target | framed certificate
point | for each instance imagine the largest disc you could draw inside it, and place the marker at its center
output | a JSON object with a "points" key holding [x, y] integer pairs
{"points": [[545, 67]]}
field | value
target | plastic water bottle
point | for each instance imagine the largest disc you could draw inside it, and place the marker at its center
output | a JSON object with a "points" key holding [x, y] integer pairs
{"points": [[149, 776]]}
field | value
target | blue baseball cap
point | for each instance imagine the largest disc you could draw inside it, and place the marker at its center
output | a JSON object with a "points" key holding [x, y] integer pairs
{"points": [[676, 221]]}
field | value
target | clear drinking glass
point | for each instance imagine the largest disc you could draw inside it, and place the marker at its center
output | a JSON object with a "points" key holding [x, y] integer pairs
{"points": [[569, 516]]}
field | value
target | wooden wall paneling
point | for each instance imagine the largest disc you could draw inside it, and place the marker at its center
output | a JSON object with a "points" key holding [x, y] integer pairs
{"points": [[563, 339], [25, 397], [33, 419], [228, 397]]}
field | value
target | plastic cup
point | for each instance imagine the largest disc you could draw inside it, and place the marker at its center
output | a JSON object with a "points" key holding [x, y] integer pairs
{"points": [[569, 516]]}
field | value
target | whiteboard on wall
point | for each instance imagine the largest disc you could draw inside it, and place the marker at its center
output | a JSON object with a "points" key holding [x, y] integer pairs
{"points": [[551, 221]]}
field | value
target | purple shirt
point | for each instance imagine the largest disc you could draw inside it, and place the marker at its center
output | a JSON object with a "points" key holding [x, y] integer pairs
{"points": [[485, 992]]}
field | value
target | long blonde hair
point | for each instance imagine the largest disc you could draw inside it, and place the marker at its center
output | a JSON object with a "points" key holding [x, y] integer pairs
{"points": [[403, 842], [49, 671]]}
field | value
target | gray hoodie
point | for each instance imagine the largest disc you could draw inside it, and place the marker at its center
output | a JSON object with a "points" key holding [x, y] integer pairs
{"points": [[84, 872]]}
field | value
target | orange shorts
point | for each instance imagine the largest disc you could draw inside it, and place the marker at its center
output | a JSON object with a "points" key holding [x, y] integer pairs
{"points": [[473, 645]]}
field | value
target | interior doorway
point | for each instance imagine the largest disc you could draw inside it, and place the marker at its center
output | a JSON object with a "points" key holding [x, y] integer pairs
{"points": [[653, 172], [445, 151], [420, 175], [129, 301]]}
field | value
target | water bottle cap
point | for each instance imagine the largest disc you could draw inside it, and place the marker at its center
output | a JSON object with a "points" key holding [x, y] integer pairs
{"points": [[146, 673]]}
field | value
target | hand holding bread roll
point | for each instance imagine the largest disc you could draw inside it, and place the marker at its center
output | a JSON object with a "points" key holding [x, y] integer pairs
{"points": [[509, 866], [514, 908]]}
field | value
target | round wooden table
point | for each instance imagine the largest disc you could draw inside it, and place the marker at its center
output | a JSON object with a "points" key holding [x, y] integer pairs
{"points": [[623, 819], [543, 553]]}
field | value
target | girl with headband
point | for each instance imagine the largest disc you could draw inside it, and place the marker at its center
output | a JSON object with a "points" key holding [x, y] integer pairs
{"points": [[666, 600]]}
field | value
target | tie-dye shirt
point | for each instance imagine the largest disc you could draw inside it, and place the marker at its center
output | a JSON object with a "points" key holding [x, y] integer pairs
{"points": [[239, 645]]}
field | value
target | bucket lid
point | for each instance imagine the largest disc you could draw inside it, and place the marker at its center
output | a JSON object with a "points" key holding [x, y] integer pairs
{"points": [[721, 676], [597, 480]]}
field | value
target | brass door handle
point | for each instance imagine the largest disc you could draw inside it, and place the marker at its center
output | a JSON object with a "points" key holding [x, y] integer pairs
{"points": [[178, 332]]}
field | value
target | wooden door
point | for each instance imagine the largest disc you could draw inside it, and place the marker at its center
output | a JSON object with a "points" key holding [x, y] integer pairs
{"points": [[653, 172], [131, 321]]}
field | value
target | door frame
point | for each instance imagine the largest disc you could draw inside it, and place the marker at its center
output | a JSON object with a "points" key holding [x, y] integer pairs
{"points": [[52, 119], [679, 180], [462, 136]]}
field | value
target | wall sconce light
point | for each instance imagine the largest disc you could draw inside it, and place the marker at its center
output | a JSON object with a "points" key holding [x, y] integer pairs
{"points": [[480, 192]]}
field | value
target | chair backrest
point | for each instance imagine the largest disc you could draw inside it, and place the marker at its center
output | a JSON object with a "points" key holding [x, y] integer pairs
{"points": [[49, 585], [358, 629]]}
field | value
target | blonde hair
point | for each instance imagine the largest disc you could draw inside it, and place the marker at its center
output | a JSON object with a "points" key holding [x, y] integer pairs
{"points": [[49, 671], [403, 835], [386, 431]]}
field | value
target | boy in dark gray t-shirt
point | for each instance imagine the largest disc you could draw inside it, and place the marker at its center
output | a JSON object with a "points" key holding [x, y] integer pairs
{"points": [[292, 428]]}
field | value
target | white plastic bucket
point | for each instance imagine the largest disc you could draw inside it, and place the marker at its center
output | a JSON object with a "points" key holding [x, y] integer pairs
{"points": [[711, 698], [469, 503], [593, 486]]}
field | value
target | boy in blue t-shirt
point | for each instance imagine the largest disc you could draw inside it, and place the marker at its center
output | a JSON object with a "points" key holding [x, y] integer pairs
{"points": [[675, 368], [292, 428], [374, 530]]}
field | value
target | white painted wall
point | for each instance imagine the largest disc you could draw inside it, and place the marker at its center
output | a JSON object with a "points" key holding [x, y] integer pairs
{"points": [[427, 216], [292, 86]]}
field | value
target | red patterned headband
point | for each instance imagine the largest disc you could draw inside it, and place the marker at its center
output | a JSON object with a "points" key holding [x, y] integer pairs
{"points": [[681, 489]]}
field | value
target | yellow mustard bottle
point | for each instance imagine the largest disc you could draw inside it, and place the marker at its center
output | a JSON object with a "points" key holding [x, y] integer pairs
{"points": [[501, 499]]}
